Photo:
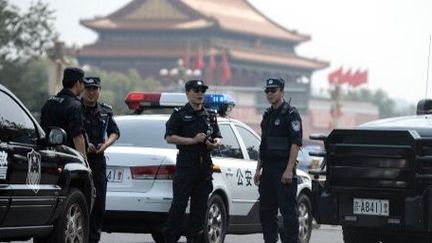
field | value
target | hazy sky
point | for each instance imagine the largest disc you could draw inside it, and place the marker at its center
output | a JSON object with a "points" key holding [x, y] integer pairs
{"points": [[390, 38]]}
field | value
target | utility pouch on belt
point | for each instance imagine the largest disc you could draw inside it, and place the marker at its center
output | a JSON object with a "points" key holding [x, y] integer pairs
{"points": [[278, 147]]}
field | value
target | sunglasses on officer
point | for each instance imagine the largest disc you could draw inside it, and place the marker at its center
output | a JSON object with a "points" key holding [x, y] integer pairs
{"points": [[199, 89], [270, 90]]}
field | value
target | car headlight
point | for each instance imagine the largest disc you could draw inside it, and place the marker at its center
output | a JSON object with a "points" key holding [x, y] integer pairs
{"points": [[302, 179]]}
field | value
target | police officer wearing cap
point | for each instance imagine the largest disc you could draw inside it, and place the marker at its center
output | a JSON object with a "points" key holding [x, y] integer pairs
{"points": [[281, 138], [64, 109], [102, 132], [195, 131]]}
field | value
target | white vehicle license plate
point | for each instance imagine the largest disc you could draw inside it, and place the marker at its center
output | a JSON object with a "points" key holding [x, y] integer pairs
{"points": [[114, 174], [377, 207]]}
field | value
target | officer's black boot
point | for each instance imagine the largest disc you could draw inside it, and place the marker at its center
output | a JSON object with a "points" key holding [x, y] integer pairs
{"points": [[170, 239], [196, 238]]}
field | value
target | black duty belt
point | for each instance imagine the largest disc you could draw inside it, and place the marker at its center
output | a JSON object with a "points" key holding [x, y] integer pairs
{"points": [[95, 156]]}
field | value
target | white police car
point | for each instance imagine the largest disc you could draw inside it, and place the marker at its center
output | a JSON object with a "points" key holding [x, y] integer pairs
{"points": [[141, 165]]}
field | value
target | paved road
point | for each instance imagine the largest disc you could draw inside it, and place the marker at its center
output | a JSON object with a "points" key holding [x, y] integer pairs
{"points": [[325, 234]]}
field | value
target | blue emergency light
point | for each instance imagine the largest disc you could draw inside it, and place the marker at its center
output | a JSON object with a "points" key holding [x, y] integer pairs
{"points": [[220, 103]]}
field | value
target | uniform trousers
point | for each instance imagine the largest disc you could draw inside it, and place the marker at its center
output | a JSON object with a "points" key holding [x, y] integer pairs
{"points": [[275, 195], [194, 182], [98, 166]]}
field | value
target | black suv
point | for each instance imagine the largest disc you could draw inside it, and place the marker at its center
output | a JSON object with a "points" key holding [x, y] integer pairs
{"points": [[378, 180], [46, 190]]}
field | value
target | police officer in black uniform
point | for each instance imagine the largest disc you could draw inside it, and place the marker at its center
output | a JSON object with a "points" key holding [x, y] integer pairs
{"points": [[102, 131], [64, 109], [195, 131], [281, 132]]}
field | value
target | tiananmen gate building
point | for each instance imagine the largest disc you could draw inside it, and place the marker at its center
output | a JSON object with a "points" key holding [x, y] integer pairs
{"points": [[232, 43]]}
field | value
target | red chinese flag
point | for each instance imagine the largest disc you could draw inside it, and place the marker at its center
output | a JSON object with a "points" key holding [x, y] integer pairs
{"points": [[335, 77], [356, 78], [186, 57], [346, 77], [212, 67], [199, 60], [226, 69], [359, 78]]}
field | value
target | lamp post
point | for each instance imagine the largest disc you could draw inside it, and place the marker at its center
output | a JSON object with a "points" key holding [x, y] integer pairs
{"points": [[181, 73]]}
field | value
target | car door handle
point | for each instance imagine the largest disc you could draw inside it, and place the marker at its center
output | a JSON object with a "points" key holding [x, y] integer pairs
{"points": [[228, 173]]}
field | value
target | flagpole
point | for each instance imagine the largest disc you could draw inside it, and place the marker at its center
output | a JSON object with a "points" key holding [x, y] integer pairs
{"points": [[427, 71]]}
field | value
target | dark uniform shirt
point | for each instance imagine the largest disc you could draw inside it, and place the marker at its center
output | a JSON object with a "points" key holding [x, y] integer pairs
{"points": [[63, 110], [280, 128], [186, 122], [99, 123]]}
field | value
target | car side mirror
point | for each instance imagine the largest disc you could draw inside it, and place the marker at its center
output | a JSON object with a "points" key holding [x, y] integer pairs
{"points": [[424, 107], [56, 136]]}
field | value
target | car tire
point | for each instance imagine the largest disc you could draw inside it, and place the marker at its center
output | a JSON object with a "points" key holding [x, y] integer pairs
{"points": [[216, 220], [304, 209], [359, 235], [158, 237], [73, 222]]}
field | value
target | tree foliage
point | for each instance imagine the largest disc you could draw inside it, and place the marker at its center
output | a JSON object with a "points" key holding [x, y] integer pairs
{"points": [[115, 87], [24, 37], [29, 82], [387, 106]]}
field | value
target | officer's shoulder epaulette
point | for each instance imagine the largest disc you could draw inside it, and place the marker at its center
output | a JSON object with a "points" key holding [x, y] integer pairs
{"points": [[57, 99], [292, 109], [104, 105], [212, 112]]}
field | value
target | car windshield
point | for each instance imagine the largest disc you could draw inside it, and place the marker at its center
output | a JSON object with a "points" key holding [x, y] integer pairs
{"points": [[142, 133]]}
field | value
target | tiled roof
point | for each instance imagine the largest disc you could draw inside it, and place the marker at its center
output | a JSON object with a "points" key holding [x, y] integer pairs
{"points": [[240, 16], [277, 58], [236, 16], [167, 51]]}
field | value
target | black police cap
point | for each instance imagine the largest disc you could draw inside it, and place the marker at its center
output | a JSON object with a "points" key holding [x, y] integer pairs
{"points": [[195, 84], [92, 82], [275, 83]]}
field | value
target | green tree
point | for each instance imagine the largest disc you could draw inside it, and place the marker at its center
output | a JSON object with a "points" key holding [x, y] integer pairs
{"points": [[115, 86], [29, 82], [386, 105], [24, 37]]}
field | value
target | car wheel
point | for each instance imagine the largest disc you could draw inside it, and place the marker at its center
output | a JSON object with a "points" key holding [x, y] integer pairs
{"points": [[158, 236], [304, 209], [73, 223], [216, 220]]}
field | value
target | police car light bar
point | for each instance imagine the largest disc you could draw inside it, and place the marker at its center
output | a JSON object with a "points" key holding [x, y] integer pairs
{"points": [[137, 100]]}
